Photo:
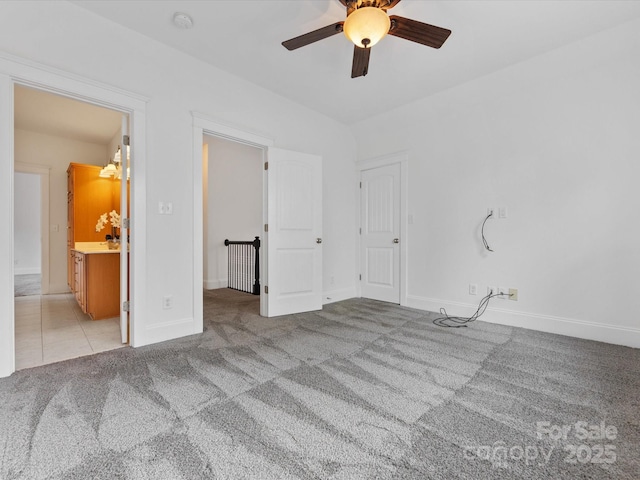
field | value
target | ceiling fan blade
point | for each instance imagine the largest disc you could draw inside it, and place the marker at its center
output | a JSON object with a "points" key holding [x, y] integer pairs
{"points": [[360, 61], [390, 4], [418, 32], [314, 36]]}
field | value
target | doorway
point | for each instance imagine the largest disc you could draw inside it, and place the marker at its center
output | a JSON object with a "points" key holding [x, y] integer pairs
{"points": [[50, 133], [232, 221], [28, 242], [291, 265]]}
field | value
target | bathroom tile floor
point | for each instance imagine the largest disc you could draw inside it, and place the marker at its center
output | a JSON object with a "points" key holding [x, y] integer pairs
{"points": [[52, 328]]}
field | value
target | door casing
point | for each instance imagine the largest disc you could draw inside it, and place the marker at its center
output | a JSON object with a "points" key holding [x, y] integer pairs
{"points": [[203, 125], [14, 71]]}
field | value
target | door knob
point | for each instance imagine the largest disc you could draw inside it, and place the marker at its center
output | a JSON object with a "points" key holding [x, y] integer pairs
{"points": [[318, 240], [396, 240]]}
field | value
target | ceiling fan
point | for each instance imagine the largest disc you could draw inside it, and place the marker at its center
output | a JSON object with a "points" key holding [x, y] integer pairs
{"points": [[366, 23]]}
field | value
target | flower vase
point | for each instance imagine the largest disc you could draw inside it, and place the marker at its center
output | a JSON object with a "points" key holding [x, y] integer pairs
{"points": [[114, 242]]}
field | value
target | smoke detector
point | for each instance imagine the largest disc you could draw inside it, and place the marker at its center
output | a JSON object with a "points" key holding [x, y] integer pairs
{"points": [[182, 20]]}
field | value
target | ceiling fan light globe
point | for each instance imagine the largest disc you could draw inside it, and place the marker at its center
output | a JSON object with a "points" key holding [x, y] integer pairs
{"points": [[367, 23]]}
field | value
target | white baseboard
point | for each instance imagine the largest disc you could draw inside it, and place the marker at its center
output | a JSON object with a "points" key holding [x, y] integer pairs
{"points": [[55, 288], [332, 296], [599, 332], [162, 332], [27, 270], [213, 284]]}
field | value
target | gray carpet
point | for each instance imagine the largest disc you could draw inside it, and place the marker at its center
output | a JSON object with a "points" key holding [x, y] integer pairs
{"points": [[360, 390], [25, 285]]}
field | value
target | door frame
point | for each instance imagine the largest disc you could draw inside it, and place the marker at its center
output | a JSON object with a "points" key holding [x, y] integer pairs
{"points": [[204, 125], [401, 158], [17, 71], [42, 172]]}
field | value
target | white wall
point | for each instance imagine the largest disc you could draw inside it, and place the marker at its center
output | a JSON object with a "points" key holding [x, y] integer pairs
{"points": [[234, 206], [56, 153], [55, 34], [27, 211], [555, 140]]}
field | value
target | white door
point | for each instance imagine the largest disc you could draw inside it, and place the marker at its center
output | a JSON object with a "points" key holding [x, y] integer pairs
{"points": [[124, 233], [380, 234], [294, 236]]}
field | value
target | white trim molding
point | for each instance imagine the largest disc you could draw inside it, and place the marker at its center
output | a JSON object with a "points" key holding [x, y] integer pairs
{"points": [[237, 134], [7, 321], [215, 284], [332, 296], [205, 125], [572, 327], [15, 70]]}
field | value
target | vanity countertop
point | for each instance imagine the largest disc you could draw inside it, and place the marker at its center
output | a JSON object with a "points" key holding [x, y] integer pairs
{"points": [[93, 247]]}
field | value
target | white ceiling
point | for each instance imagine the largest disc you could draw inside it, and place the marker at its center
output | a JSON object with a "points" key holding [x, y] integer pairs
{"points": [[244, 38], [51, 114]]}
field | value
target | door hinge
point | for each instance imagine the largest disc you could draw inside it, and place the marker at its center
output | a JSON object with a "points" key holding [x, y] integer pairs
{"points": [[361, 231], [126, 140], [266, 227], [360, 184], [126, 306], [126, 223], [266, 289], [266, 165], [360, 277]]}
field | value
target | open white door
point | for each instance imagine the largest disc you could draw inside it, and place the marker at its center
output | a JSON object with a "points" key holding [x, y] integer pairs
{"points": [[124, 232], [294, 232], [380, 233]]}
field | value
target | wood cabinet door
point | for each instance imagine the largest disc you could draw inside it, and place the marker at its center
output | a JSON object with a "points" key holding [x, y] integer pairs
{"points": [[79, 277]]}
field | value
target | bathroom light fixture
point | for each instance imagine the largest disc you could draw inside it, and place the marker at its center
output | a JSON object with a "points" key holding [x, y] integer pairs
{"points": [[366, 26], [108, 171], [114, 168]]}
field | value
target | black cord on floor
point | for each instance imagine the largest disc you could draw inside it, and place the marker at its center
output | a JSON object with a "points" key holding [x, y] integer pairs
{"points": [[484, 240], [457, 322]]}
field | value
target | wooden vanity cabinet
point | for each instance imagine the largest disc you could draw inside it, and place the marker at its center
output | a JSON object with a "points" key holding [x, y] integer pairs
{"points": [[88, 197], [97, 283], [94, 278]]}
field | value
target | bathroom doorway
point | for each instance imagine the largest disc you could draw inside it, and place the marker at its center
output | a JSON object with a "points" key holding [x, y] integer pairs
{"points": [[50, 133]]}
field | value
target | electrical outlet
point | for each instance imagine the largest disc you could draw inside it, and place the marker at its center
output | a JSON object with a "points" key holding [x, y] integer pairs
{"points": [[168, 208], [504, 293], [502, 212], [167, 301], [161, 208], [490, 210], [473, 289], [492, 290], [513, 294], [332, 280]]}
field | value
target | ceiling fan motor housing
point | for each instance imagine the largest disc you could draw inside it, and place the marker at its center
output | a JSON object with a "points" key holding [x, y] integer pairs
{"points": [[368, 3]]}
